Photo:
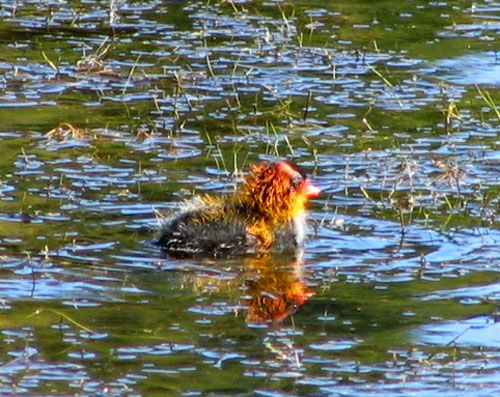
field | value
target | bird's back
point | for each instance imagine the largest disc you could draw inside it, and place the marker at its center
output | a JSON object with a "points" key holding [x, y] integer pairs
{"points": [[205, 226]]}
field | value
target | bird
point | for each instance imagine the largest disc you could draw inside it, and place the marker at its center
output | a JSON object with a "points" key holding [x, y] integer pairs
{"points": [[267, 211]]}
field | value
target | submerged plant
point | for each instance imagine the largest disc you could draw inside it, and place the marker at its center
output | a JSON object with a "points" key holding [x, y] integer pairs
{"points": [[67, 131], [485, 95]]}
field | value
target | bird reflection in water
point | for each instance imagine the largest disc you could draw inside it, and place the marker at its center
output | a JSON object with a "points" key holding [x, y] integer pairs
{"points": [[274, 291], [268, 287]]}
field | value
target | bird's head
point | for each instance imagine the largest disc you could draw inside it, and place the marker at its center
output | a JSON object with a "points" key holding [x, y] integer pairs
{"points": [[277, 191]]}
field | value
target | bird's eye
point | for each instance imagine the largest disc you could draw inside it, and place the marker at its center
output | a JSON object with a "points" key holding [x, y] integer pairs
{"points": [[296, 181]]}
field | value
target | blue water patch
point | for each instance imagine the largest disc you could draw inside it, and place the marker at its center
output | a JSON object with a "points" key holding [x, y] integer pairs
{"points": [[478, 68]]}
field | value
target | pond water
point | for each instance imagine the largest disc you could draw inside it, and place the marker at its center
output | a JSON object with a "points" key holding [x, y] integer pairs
{"points": [[114, 112]]}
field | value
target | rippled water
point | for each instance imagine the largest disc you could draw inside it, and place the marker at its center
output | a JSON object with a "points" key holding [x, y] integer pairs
{"points": [[112, 113]]}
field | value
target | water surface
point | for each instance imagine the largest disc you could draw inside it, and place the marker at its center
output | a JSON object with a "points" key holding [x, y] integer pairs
{"points": [[112, 113]]}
